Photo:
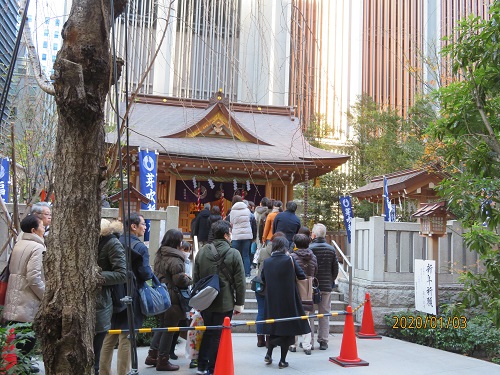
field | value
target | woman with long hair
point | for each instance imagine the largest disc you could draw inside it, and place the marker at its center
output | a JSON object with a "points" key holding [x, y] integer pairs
{"points": [[282, 300], [170, 268]]}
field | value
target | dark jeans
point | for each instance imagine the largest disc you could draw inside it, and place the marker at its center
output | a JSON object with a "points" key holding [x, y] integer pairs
{"points": [[243, 246], [211, 339], [162, 341], [98, 340], [261, 306]]}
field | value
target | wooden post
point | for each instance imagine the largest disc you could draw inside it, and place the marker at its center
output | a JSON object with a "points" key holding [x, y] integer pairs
{"points": [[433, 254]]}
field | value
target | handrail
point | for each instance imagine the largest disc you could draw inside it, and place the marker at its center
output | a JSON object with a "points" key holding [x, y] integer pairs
{"points": [[347, 275]]}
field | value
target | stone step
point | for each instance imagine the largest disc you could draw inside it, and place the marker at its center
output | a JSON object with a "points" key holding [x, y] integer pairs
{"points": [[250, 313], [251, 303], [250, 294], [335, 326]]}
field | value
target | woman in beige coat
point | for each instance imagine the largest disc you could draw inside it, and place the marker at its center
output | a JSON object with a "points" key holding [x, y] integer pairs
{"points": [[26, 281]]}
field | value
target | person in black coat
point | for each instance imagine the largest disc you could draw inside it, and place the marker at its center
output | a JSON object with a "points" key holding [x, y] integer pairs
{"points": [[214, 216], [287, 222], [201, 226], [282, 300]]}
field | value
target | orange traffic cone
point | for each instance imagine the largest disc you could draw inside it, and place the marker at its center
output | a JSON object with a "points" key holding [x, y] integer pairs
{"points": [[8, 352], [348, 351], [224, 365], [367, 328]]}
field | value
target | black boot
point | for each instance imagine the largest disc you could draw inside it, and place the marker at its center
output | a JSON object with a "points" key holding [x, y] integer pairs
{"points": [[261, 341]]}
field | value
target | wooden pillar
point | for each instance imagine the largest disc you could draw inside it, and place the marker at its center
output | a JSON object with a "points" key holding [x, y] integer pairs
{"points": [[433, 254], [171, 190], [289, 189], [269, 190]]}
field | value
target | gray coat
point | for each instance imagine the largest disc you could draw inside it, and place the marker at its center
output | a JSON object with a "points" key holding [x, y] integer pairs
{"points": [[111, 259]]}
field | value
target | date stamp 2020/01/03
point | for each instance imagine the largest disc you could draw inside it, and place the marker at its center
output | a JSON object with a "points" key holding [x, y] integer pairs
{"points": [[429, 321]]}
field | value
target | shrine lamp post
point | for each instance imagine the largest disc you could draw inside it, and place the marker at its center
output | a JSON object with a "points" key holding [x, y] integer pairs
{"points": [[433, 218]]}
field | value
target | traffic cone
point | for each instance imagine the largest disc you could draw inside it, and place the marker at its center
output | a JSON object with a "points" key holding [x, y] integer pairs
{"points": [[224, 365], [8, 352], [367, 327], [348, 351]]}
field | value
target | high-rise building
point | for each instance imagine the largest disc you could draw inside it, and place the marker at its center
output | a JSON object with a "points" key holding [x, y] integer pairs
{"points": [[204, 46], [401, 44], [8, 32]]}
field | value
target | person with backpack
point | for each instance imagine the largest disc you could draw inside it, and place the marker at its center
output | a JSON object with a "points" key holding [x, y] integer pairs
{"points": [[227, 263]]}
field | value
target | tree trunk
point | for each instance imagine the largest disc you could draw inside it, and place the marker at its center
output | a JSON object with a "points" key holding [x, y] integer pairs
{"points": [[83, 71]]}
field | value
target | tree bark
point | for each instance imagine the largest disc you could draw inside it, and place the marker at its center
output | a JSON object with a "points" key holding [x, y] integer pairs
{"points": [[82, 76]]}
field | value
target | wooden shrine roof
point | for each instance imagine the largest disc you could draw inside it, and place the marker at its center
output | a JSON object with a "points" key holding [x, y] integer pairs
{"points": [[412, 183], [217, 130]]}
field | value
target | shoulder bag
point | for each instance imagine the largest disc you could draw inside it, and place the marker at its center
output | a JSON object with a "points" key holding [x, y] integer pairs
{"points": [[206, 290], [257, 285], [183, 295], [305, 287], [154, 299]]}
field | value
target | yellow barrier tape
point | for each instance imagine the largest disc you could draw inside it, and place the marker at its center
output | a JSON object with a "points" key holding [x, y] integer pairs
{"points": [[233, 324]]}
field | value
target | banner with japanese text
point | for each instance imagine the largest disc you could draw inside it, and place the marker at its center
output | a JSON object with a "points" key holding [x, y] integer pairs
{"points": [[389, 209], [4, 179], [346, 204], [148, 182]]}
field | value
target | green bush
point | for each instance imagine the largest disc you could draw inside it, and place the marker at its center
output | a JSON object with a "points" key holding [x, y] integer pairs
{"points": [[144, 339], [476, 337], [22, 332]]}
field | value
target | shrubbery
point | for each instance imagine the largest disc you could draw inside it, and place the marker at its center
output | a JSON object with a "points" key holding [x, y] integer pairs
{"points": [[22, 332], [479, 339]]}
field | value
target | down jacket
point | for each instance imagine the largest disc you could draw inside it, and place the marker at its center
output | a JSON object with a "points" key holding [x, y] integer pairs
{"points": [[240, 222], [26, 281], [170, 269], [328, 265], [309, 264], [111, 259]]}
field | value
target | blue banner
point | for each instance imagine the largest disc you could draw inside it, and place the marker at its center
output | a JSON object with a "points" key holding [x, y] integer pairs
{"points": [[148, 180], [389, 210], [346, 204], [4, 179]]}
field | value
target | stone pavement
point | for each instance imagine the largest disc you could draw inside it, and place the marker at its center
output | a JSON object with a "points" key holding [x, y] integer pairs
{"points": [[386, 356]]}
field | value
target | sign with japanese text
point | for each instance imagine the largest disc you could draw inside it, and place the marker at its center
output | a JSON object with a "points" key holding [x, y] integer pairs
{"points": [[148, 182], [4, 179], [345, 203], [425, 286]]}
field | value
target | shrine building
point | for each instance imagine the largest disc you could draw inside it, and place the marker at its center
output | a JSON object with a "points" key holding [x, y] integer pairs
{"points": [[210, 150]]}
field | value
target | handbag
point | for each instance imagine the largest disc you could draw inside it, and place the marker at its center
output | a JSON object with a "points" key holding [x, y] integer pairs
{"points": [[316, 292], [304, 287], [183, 295], [155, 298], [257, 285], [4, 281]]}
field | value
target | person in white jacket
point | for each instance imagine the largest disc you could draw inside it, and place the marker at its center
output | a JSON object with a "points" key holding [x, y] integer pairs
{"points": [[26, 284], [241, 237]]}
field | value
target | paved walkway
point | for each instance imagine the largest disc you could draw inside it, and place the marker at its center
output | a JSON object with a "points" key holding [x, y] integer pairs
{"points": [[386, 356]]}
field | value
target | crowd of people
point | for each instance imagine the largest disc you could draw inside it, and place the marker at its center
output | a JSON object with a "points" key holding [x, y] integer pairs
{"points": [[267, 238]]}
